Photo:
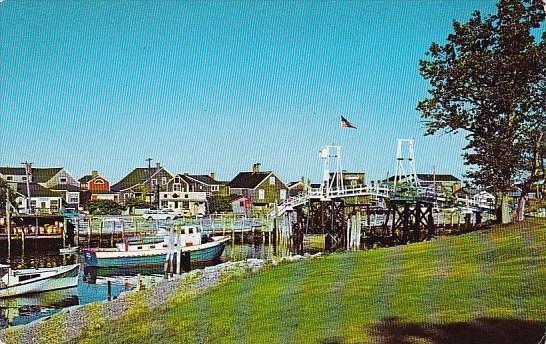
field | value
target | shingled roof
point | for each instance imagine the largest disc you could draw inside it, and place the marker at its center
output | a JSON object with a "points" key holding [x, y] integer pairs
{"points": [[203, 178], [36, 190], [39, 175], [138, 176], [85, 179], [248, 180]]}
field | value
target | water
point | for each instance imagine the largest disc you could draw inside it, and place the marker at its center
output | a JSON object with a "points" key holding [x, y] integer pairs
{"points": [[92, 283]]}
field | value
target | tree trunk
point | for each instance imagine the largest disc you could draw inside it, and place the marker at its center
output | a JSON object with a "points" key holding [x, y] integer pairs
{"points": [[503, 208], [522, 202]]}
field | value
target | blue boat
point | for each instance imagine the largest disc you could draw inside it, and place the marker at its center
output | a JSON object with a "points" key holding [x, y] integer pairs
{"points": [[152, 251]]}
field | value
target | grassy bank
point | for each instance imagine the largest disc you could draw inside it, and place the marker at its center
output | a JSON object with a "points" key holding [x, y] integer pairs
{"points": [[482, 287]]}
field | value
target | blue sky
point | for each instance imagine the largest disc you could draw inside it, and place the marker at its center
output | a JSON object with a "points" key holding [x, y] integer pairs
{"points": [[216, 86]]}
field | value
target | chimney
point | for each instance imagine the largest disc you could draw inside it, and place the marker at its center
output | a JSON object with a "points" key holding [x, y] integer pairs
{"points": [[94, 173], [157, 165], [213, 175], [256, 167]]}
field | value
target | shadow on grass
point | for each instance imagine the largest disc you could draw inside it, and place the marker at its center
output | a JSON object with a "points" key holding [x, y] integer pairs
{"points": [[481, 330]]}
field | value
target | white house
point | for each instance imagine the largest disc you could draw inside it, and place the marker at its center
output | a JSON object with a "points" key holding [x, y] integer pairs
{"points": [[42, 200], [195, 202]]}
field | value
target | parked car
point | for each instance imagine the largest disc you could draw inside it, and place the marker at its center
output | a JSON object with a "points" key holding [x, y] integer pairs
{"points": [[164, 214]]}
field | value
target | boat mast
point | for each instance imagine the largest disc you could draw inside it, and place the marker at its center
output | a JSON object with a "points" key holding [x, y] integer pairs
{"points": [[8, 220], [28, 173]]}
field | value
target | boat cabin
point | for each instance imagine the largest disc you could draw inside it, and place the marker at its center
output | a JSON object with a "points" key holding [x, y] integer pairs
{"points": [[191, 235]]}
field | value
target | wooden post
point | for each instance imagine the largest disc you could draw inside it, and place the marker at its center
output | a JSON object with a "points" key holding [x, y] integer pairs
{"points": [[169, 253], [178, 252], [64, 231], [77, 233], [23, 241], [109, 291], [8, 221], [89, 233]]}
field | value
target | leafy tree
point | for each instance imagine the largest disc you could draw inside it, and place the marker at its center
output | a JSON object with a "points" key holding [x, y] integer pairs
{"points": [[219, 204], [135, 202], [104, 207], [3, 188], [489, 81]]}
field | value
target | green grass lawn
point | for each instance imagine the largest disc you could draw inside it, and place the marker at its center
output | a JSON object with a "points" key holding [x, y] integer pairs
{"points": [[483, 287]]}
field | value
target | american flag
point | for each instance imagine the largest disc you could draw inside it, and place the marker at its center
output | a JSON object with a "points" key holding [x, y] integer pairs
{"points": [[28, 169], [346, 124]]}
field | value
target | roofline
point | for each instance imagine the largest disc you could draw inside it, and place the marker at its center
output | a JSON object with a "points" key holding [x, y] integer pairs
{"points": [[263, 180], [200, 181]]}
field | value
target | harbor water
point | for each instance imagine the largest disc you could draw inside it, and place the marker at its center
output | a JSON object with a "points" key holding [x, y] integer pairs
{"points": [[93, 283]]}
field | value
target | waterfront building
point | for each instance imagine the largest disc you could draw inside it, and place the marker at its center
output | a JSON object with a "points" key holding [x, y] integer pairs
{"points": [[263, 189], [143, 183], [201, 183]]}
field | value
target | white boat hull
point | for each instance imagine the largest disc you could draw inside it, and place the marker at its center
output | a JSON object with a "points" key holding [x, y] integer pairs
{"points": [[50, 279]]}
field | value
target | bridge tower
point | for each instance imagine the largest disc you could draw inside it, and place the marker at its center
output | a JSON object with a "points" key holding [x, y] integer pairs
{"points": [[331, 158], [403, 161]]}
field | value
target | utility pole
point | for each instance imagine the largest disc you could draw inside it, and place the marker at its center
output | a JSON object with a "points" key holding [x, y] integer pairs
{"points": [[149, 160], [28, 173], [8, 220]]}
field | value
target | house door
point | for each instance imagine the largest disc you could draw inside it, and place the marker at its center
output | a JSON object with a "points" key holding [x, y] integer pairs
{"points": [[42, 205], [175, 204]]}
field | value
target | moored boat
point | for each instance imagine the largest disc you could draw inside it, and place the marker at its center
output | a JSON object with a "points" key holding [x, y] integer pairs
{"points": [[154, 250], [69, 250], [26, 281]]}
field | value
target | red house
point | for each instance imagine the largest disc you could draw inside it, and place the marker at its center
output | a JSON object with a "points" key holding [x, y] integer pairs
{"points": [[94, 182]]}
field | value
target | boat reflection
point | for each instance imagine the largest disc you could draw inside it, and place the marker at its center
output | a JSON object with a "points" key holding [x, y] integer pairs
{"points": [[26, 308]]}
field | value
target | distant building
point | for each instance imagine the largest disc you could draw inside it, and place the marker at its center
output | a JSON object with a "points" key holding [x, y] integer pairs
{"points": [[96, 187], [442, 182], [138, 182], [42, 200], [46, 177], [199, 183], [241, 206], [94, 182], [261, 188], [350, 179], [51, 189], [295, 188], [194, 202]]}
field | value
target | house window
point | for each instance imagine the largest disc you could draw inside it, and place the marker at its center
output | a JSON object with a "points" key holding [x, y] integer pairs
{"points": [[126, 196], [271, 180], [177, 180], [283, 194], [62, 180], [177, 187], [163, 180], [154, 182], [99, 181], [214, 188], [24, 177], [73, 200], [9, 178], [261, 193]]}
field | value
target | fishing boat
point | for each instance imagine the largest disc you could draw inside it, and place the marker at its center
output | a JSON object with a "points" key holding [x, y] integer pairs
{"points": [[154, 250], [69, 250], [26, 281]]}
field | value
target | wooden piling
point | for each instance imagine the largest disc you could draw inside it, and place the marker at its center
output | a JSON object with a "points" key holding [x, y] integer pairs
{"points": [[178, 251], [89, 233], [23, 241], [109, 291], [65, 222], [8, 221]]}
